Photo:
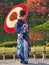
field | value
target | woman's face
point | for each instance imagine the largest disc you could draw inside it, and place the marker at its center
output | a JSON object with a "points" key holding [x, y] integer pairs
{"points": [[23, 17]]}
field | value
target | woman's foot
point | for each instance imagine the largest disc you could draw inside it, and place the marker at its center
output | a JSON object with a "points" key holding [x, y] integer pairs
{"points": [[24, 62]]}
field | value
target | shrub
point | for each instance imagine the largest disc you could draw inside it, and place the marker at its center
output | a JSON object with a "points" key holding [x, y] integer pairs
{"points": [[47, 44], [8, 44], [37, 43]]}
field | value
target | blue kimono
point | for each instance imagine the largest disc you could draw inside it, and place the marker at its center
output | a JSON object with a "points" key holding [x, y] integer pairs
{"points": [[23, 41]]}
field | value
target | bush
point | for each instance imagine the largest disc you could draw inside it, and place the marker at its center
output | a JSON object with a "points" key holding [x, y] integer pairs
{"points": [[37, 43], [39, 55], [44, 26], [9, 51], [47, 44], [9, 44]]}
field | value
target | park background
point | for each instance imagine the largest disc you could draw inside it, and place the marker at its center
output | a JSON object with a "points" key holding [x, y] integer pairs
{"points": [[38, 20]]}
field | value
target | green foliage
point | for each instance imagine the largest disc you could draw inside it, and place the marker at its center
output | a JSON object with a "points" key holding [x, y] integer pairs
{"points": [[35, 21], [8, 44], [14, 1], [44, 26], [10, 49], [37, 43], [39, 54], [1, 27], [4, 36], [47, 44], [37, 28]]}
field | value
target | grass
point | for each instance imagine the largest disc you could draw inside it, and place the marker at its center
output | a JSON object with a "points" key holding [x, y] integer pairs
{"points": [[8, 44]]}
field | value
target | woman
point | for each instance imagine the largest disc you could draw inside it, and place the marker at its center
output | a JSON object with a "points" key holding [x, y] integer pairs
{"points": [[22, 38]]}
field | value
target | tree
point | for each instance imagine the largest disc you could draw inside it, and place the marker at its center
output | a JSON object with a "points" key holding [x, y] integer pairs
{"points": [[14, 1], [45, 30], [41, 27], [39, 6]]}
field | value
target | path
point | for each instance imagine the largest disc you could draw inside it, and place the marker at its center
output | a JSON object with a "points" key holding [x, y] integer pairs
{"points": [[31, 62]]}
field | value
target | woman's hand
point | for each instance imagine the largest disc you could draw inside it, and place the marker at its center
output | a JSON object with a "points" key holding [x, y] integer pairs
{"points": [[25, 26]]}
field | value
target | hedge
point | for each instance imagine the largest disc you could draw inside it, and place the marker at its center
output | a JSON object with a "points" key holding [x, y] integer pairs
{"points": [[8, 44], [47, 44], [37, 43]]}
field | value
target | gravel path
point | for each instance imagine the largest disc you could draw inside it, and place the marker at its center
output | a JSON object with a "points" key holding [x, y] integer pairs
{"points": [[31, 62]]}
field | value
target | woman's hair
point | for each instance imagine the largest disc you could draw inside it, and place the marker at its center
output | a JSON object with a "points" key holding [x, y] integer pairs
{"points": [[22, 13]]}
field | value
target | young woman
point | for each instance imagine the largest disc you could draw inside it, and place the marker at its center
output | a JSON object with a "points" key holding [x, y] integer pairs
{"points": [[23, 47]]}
